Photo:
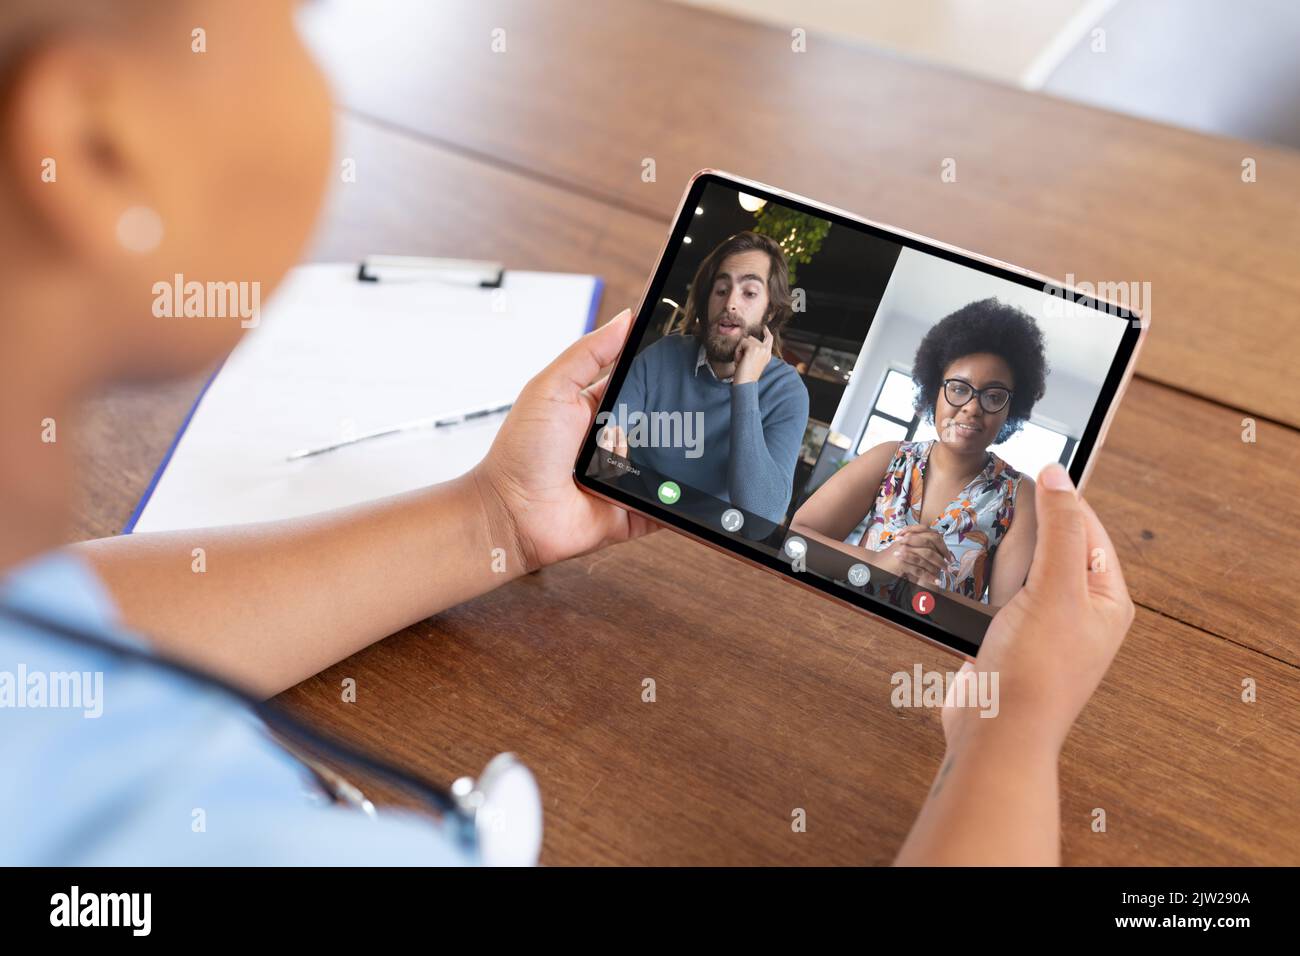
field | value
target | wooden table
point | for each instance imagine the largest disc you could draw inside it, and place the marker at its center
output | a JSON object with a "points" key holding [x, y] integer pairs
{"points": [[535, 156]]}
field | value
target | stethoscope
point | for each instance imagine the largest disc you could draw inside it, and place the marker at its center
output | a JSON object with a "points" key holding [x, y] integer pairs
{"points": [[496, 819]]}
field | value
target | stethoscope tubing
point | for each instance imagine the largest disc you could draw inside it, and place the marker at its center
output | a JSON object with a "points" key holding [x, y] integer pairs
{"points": [[273, 717]]}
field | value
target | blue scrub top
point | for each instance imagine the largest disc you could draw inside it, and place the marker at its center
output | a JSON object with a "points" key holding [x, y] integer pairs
{"points": [[155, 770]]}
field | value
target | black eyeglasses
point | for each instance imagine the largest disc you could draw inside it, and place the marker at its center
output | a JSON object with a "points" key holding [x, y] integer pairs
{"points": [[992, 399]]}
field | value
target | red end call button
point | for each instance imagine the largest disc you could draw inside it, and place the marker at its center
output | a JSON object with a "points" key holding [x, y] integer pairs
{"points": [[922, 602]]}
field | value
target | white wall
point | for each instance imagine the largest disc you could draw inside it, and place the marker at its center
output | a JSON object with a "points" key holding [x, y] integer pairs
{"points": [[923, 289], [1013, 41]]}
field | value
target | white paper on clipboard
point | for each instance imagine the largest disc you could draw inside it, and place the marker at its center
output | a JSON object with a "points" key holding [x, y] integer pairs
{"points": [[333, 357]]}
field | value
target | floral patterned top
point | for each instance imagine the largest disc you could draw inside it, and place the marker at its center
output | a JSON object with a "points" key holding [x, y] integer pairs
{"points": [[972, 525]]}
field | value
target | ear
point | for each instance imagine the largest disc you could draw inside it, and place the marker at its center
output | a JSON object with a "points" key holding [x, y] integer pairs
{"points": [[70, 148]]}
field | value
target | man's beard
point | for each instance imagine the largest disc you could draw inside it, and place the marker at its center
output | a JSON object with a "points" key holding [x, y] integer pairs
{"points": [[722, 348]]}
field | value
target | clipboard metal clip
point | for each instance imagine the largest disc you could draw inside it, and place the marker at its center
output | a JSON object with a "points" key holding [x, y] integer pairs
{"points": [[476, 272]]}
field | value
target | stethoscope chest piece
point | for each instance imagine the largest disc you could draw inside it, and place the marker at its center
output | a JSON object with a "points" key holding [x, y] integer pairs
{"points": [[505, 807]]}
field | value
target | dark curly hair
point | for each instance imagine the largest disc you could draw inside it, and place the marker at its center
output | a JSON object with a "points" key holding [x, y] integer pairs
{"points": [[984, 326]]}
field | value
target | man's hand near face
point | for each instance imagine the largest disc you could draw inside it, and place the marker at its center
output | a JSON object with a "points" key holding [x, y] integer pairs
{"points": [[752, 356]]}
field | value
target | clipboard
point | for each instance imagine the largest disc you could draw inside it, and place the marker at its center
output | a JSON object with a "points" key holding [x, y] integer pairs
{"points": [[347, 348]]}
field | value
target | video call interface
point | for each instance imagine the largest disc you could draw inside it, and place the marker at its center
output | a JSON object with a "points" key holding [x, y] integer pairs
{"points": [[867, 413]]}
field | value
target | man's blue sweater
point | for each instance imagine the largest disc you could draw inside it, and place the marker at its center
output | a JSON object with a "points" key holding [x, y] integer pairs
{"points": [[751, 436]]}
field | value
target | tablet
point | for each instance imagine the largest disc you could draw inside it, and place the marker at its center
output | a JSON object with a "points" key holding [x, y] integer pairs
{"points": [[857, 408]]}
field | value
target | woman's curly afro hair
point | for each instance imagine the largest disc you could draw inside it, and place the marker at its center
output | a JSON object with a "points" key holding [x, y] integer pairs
{"points": [[984, 326]]}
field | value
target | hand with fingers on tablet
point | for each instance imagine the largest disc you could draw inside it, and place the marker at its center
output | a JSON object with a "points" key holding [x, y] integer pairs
{"points": [[1052, 643], [995, 798], [526, 479]]}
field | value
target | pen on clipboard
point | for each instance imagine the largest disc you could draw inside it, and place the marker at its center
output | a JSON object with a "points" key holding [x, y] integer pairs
{"points": [[416, 424]]}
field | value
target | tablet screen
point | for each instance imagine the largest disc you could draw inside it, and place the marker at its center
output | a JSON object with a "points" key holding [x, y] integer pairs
{"points": [[855, 406]]}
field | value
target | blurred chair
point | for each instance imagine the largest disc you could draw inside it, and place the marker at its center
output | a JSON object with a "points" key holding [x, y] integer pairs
{"points": [[1217, 66]]}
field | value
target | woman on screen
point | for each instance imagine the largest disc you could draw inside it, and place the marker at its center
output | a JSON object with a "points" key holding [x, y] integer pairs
{"points": [[949, 513]]}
